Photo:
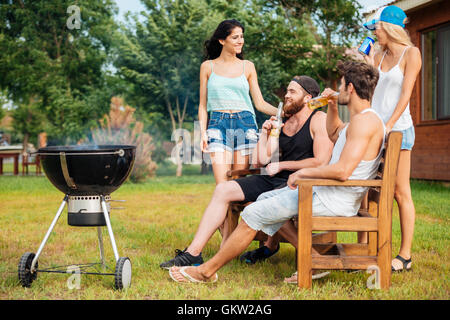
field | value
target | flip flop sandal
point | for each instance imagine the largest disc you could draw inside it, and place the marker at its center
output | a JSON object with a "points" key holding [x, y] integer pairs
{"points": [[188, 277], [291, 279], [405, 263]]}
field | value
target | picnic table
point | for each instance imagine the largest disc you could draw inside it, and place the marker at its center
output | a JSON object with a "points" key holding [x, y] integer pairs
{"points": [[10, 152]]}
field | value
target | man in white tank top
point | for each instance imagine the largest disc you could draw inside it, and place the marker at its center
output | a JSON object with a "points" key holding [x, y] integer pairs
{"points": [[357, 146], [356, 155]]}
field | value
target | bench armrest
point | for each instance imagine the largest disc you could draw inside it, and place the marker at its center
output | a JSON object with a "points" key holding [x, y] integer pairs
{"points": [[348, 183]]}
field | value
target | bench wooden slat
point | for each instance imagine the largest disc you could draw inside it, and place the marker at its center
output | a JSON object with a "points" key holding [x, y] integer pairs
{"points": [[344, 224], [348, 249], [337, 262]]}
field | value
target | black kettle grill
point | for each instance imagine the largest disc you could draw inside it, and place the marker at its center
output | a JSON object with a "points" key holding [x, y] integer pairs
{"points": [[87, 175]]}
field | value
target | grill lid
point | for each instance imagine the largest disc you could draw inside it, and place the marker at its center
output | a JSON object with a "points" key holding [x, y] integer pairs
{"points": [[87, 169]]}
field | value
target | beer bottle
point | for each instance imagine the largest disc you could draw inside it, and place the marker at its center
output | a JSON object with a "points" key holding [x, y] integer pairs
{"points": [[320, 101], [275, 131]]}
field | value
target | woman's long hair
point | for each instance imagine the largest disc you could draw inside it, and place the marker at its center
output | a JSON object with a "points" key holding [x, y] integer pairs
{"points": [[213, 48], [396, 34]]}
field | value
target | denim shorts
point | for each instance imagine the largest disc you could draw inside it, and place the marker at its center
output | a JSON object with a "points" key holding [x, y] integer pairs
{"points": [[409, 136], [232, 132], [272, 209]]}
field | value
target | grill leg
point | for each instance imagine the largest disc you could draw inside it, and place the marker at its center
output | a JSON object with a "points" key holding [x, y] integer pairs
{"points": [[108, 225], [41, 247], [100, 245]]}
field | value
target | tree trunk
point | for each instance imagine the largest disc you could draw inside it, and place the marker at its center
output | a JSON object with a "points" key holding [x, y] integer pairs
{"points": [[172, 118], [26, 138], [179, 143]]}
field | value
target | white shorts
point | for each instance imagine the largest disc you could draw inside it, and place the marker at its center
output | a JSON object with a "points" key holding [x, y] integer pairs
{"points": [[273, 208]]}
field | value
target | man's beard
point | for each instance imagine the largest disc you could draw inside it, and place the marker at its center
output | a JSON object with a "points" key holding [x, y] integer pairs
{"points": [[292, 107]]}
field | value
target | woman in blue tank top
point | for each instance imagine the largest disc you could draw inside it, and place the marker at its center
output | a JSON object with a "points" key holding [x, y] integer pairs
{"points": [[226, 83]]}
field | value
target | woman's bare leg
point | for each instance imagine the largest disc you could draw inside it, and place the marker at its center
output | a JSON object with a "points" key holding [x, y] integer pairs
{"points": [[405, 206]]}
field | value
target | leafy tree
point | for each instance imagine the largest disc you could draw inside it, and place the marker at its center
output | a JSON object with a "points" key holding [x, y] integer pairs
{"points": [[339, 22], [335, 25], [45, 54]]}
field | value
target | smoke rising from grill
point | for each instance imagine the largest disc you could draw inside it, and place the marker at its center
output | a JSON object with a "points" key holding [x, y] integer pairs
{"points": [[120, 127]]}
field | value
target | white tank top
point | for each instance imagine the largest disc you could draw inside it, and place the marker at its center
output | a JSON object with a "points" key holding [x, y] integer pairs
{"points": [[387, 94], [345, 201]]}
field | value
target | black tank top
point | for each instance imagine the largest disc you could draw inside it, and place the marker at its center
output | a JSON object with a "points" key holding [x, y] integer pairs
{"points": [[297, 147]]}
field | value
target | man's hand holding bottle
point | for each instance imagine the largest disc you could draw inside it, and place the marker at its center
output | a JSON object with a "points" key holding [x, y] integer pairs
{"points": [[270, 125]]}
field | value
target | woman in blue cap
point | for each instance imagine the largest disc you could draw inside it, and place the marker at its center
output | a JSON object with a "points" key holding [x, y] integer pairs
{"points": [[399, 63]]}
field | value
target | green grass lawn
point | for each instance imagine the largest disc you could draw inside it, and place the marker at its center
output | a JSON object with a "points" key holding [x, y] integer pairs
{"points": [[162, 215]]}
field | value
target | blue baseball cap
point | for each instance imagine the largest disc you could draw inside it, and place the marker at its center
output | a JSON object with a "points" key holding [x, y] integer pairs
{"points": [[390, 14]]}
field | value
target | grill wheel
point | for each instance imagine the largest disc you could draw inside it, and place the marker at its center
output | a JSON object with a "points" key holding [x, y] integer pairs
{"points": [[26, 277], [123, 274]]}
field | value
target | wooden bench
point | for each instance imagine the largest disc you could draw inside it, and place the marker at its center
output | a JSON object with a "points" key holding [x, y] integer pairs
{"points": [[376, 220]]}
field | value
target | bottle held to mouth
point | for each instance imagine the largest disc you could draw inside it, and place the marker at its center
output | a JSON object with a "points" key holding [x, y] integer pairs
{"points": [[275, 131], [320, 101]]}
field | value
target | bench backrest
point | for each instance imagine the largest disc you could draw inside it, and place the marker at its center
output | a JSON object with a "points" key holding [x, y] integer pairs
{"points": [[381, 199]]}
